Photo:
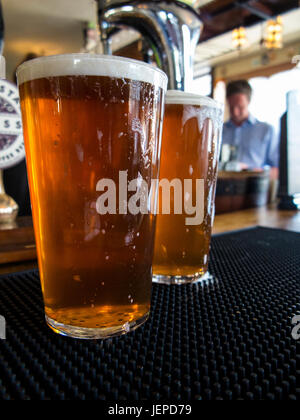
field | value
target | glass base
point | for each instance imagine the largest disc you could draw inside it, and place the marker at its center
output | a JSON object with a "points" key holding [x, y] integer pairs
{"points": [[95, 333], [192, 279]]}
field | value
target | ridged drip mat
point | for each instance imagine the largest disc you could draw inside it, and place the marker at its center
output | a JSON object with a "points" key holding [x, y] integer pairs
{"points": [[230, 338]]}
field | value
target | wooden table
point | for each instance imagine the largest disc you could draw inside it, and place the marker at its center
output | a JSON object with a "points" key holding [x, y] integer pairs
{"points": [[18, 252], [264, 216]]}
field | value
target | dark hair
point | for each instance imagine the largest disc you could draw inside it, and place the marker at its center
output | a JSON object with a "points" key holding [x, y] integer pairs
{"points": [[239, 86]]}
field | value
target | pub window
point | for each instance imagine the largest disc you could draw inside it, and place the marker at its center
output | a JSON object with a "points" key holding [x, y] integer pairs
{"points": [[269, 95], [202, 83]]}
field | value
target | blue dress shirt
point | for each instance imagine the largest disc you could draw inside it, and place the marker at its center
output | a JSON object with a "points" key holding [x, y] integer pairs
{"points": [[256, 142]]}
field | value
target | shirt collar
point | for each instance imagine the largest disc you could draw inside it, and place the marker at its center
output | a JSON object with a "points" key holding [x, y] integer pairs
{"points": [[250, 120]]}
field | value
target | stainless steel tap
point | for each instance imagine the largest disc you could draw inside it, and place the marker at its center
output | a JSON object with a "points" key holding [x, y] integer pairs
{"points": [[171, 29]]}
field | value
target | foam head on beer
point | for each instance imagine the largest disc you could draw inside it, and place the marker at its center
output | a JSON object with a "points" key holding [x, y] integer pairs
{"points": [[89, 65], [87, 118], [187, 98]]}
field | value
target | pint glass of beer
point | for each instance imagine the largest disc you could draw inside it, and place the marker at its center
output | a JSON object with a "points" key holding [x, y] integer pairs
{"points": [[92, 127], [188, 172]]}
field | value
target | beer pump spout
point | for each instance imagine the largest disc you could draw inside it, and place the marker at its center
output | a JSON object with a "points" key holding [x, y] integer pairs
{"points": [[170, 29]]}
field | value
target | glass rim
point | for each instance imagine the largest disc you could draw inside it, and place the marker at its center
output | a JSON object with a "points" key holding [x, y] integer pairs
{"points": [[179, 97], [74, 64]]}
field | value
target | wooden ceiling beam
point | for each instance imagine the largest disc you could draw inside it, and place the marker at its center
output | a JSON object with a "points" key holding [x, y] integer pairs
{"points": [[253, 10]]}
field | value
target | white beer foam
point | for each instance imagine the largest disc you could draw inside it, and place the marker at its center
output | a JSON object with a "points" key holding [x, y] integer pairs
{"points": [[178, 97], [91, 65], [209, 108]]}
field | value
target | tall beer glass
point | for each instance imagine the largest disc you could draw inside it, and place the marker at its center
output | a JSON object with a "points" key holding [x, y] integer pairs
{"points": [[87, 119], [188, 174]]}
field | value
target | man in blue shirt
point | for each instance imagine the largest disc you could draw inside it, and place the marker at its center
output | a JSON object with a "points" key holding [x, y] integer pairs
{"points": [[255, 142]]}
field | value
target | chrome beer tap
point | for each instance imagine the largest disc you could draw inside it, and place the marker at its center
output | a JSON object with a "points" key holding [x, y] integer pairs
{"points": [[172, 29]]}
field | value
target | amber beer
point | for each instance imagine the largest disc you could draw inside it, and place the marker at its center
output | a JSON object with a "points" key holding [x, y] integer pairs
{"points": [[190, 151], [85, 118]]}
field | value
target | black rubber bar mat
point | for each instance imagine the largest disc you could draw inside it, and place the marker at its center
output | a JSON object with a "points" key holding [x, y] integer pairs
{"points": [[230, 338]]}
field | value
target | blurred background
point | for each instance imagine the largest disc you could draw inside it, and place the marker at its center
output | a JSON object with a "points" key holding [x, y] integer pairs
{"points": [[53, 27]]}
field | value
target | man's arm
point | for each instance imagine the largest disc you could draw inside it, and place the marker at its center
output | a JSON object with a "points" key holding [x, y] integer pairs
{"points": [[227, 134], [272, 158]]}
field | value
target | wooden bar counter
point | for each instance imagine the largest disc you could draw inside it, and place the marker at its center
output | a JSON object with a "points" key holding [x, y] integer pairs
{"points": [[268, 216], [18, 252]]}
